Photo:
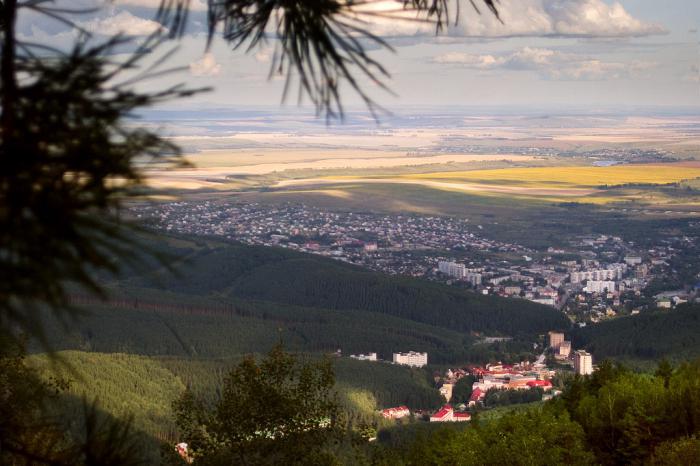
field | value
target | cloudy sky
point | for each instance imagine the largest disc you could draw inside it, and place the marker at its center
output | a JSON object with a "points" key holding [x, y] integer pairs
{"points": [[545, 53]]}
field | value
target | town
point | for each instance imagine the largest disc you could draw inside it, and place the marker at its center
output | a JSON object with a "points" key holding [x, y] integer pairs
{"points": [[594, 278], [492, 384]]}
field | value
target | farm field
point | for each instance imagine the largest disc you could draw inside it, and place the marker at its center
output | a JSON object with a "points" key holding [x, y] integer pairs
{"points": [[583, 184], [575, 177]]}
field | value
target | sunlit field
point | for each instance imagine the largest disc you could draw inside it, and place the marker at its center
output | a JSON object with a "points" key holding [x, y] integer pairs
{"points": [[574, 176]]}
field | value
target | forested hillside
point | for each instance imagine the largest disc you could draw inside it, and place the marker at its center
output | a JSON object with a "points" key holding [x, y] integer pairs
{"points": [[128, 385], [235, 271], [224, 299], [663, 334]]}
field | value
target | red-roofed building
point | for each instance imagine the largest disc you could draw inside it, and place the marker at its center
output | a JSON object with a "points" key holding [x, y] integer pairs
{"points": [[476, 396], [545, 384], [396, 413], [447, 414]]}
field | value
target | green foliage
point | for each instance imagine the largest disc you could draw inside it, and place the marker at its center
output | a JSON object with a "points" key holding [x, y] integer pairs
{"points": [[463, 389], [496, 397], [536, 436], [390, 385], [278, 410], [683, 452], [626, 416], [123, 385], [670, 334], [30, 433]]}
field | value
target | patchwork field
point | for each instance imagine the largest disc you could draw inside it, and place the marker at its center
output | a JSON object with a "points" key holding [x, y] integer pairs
{"points": [[650, 184]]}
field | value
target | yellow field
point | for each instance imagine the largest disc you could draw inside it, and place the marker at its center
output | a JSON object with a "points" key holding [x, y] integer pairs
{"points": [[548, 184], [572, 176]]}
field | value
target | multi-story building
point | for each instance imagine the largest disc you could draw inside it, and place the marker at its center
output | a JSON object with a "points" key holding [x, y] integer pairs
{"points": [[633, 260], [412, 358], [564, 350], [555, 340], [600, 286], [583, 362], [452, 269], [615, 272], [473, 278], [365, 357]]}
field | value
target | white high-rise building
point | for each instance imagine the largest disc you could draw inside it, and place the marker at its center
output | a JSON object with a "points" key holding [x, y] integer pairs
{"points": [[600, 286], [412, 358], [460, 271], [452, 269], [583, 362]]}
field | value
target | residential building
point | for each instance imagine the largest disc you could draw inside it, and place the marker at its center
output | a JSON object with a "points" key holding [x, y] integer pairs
{"points": [[546, 301], [447, 414], [555, 340], [583, 362], [476, 396], [396, 413], [633, 260], [474, 278], [452, 269], [365, 357], [446, 391], [564, 350], [412, 358], [600, 286]]}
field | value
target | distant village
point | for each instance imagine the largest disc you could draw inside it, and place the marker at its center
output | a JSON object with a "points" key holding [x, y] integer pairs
{"points": [[593, 278]]}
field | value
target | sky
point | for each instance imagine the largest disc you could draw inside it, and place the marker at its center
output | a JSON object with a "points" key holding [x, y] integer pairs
{"points": [[544, 54]]}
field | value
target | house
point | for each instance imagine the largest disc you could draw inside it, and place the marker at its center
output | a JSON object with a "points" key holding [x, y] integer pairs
{"points": [[446, 391], [447, 414], [546, 385], [476, 396], [396, 413]]}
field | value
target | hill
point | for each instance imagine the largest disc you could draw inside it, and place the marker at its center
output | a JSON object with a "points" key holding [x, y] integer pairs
{"points": [[127, 385], [662, 334], [274, 275], [226, 299]]}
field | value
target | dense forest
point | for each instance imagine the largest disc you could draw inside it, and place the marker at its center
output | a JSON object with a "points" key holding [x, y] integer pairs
{"points": [[240, 299], [647, 336], [231, 270]]}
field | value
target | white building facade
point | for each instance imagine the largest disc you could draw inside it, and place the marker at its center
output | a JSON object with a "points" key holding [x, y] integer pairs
{"points": [[412, 358]]}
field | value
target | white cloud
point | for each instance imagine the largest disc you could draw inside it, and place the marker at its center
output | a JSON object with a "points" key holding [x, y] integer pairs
{"points": [[550, 64], [122, 23], [469, 60], [520, 18], [207, 66]]}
